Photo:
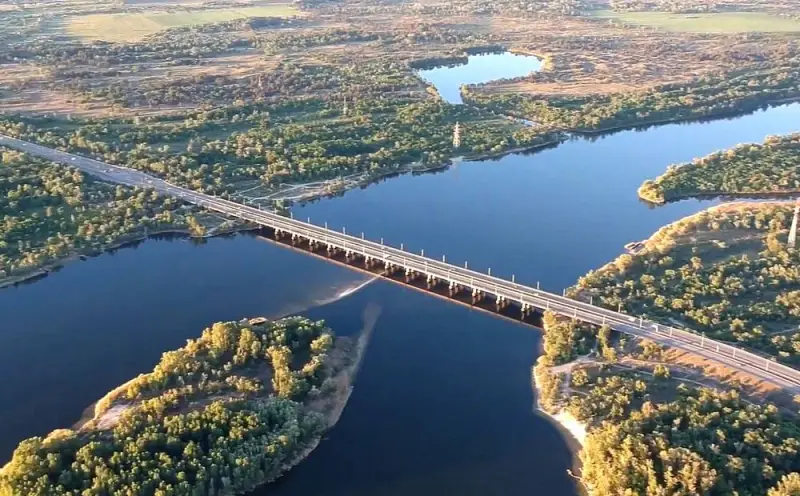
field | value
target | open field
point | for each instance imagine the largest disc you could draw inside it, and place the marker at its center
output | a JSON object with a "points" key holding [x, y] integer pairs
{"points": [[135, 26], [717, 22]]}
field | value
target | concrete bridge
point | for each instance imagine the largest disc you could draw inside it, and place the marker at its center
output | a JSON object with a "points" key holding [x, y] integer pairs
{"points": [[454, 281]]}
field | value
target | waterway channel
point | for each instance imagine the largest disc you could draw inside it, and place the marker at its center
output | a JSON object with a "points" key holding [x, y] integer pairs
{"points": [[443, 403], [479, 69]]}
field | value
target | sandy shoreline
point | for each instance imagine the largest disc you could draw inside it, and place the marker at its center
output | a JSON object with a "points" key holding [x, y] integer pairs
{"points": [[343, 382], [567, 422], [574, 431]]}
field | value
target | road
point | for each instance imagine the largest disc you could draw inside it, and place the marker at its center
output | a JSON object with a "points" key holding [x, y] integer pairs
{"points": [[736, 358]]}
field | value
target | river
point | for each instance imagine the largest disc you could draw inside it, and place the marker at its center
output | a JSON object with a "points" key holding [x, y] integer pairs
{"points": [[443, 402]]}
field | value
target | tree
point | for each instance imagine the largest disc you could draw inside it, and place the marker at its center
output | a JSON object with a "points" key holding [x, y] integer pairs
{"points": [[661, 372]]}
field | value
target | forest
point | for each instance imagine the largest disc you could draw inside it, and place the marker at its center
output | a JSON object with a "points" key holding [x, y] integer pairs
{"points": [[49, 212], [222, 415], [726, 272], [702, 443], [275, 146], [649, 435], [772, 167]]}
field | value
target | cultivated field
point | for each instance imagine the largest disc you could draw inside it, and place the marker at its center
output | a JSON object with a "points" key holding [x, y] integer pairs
{"points": [[134, 26], [717, 22]]}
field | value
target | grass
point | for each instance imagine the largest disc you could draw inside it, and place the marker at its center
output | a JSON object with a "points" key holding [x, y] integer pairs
{"points": [[718, 22], [135, 26]]}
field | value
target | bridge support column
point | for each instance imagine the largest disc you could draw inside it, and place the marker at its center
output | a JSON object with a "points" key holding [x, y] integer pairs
{"points": [[453, 288], [430, 281], [331, 250], [410, 275], [477, 296], [294, 239]]}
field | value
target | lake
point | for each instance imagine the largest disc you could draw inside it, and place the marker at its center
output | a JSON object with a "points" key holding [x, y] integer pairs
{"points": [[479, 69], [443, 402]]}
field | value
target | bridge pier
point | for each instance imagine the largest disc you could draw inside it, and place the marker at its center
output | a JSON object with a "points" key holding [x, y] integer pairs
{"points": [[477, 296], [431, 281], [453, 289], [294, 239]]}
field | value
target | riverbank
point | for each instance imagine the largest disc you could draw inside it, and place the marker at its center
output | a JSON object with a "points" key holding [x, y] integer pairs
{"points": [[322, 191], [326, 189], [755, 170], [563, 419], [740, 240], [731, 197], [56, 265], [331, 405], [645, 123]]}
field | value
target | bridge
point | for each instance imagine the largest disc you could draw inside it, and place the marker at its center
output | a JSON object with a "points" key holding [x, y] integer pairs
{"points": [[453, 281]]}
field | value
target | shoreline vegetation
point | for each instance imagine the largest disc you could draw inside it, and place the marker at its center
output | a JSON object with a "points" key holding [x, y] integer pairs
{"points": [[216, 228], [242, 107], [228, 412], [645, 123], [34, 274], [620, 397], [576, 429], [771, 168], [705, 272], [706, 97], [328, 189], [647, 421], [51, 214]]}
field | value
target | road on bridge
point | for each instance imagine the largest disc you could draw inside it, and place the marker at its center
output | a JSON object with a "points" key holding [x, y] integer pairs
{"points": [[736, 358]]}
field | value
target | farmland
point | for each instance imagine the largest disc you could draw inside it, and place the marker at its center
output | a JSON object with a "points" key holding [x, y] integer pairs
{"points": [[134, 26], [714, 22]]}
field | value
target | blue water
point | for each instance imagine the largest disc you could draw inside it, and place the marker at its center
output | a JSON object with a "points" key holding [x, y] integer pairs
{"points": [[479, 69], [443, 403]]}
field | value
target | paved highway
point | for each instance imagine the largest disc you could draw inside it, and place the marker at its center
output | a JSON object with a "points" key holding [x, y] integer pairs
{"points": [[733, 357]]}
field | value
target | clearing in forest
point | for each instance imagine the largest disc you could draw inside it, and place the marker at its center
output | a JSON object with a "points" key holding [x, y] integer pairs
{"points": [[716, 22], [134, 26]]}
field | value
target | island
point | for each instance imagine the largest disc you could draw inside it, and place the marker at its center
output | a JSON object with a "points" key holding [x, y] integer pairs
{"points": [[231, 410], [770, 168]]}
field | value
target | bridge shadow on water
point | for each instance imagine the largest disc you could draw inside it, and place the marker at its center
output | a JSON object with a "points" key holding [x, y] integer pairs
{"points": [[508, 310]]}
